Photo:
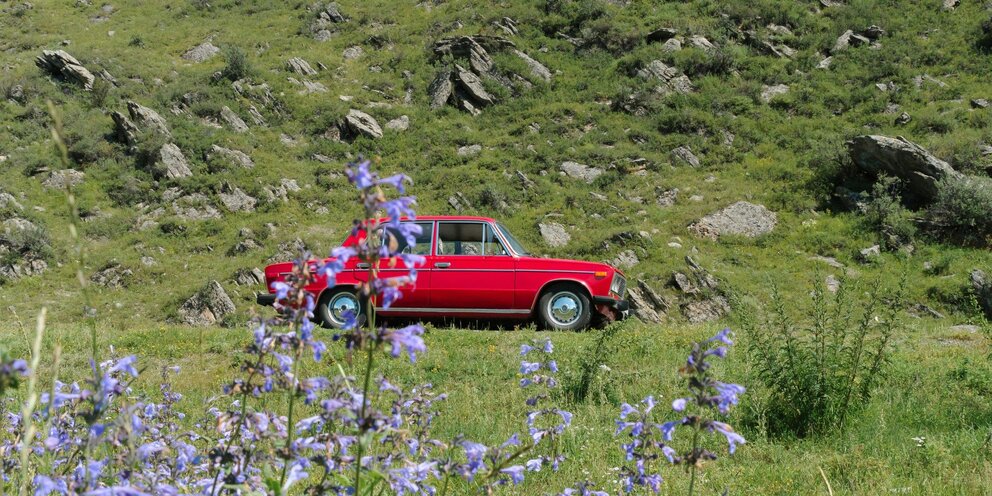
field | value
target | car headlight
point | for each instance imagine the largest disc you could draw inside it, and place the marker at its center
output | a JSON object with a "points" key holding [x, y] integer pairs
{"points": [[618, 285]]}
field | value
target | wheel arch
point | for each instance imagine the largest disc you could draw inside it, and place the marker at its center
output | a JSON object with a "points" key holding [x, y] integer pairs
{"points": [[581, 285]]}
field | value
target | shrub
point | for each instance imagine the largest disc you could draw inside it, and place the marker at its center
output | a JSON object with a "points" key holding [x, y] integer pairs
{"points": [[238, 66], [821, 366], [961, 210], [886, 214], [589, 382]]}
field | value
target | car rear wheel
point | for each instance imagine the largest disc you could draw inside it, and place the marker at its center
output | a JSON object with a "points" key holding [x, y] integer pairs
{"points": [[335, 305], [564, 308]]}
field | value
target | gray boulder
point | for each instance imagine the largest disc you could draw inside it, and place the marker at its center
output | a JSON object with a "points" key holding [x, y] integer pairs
{"points": [[672, 79], [899, 157], [469, 150], [172, 163], [768, 93], [236, 200], [233, 120], [440, 89], [982, 285], [468, 82], [706, 310], [849, 39], [537, 69], [684, 155], [642, 308], [144, 118], [580, 171], [200, 53], [249, 277], [741, 219], [401, 123], [125, 130], [112, 275], [554, 234], [7, 201], [236, 157], [59, 179], [301, 67], [61, 65], [208, 306], [359, 123]]}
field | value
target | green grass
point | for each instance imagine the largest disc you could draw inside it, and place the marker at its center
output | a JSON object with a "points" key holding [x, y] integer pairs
{"points": [[940, 388]]}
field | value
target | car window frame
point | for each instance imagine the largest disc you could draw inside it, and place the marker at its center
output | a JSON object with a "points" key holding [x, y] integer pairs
{"points": [[437, 237]]}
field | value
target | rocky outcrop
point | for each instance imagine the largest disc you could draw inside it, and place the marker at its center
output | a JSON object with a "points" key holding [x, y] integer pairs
{"points": [[554, 234], [301, 67], [401, 123], [59, 179], [768, 93], [201, 53], [236, 157], [112, 275], [537, 69], [982, 285], [919, 170], [236, 200], [171, 163], [672, 80], [249, 277], [208, 306], [63, 66], [358, 123], [740, 219], [233, 120], [684, 155], [580, 171]]}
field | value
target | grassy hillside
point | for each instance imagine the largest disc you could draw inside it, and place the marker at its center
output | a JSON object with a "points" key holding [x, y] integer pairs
{"points": [[785, 151]]}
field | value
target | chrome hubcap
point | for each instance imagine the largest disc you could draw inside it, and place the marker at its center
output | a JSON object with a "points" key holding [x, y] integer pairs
{"points": [[340, 305], [564, 308]]}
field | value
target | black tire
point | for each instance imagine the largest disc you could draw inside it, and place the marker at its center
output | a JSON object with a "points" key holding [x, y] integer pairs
{"points": [[343, 298], [564, 307]]}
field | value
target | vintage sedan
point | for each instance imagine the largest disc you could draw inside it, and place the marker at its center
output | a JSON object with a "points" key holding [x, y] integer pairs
{"points": [[476, 269]]}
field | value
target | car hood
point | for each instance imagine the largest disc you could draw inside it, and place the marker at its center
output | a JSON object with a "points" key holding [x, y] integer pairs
{"points": [[562, 264]]}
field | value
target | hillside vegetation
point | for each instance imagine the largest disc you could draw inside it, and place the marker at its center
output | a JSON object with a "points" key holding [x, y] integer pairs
{"points": [[714, 150]]}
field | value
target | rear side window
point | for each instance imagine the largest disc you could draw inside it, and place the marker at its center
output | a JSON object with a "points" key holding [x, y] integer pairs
{"points": [[454, 238], [422, 244]]}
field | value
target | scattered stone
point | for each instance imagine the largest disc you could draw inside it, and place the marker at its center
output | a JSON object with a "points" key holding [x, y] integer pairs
{"points": [[668, 197], [27, 267], [459, 202], [625, 259], [701, 42], [524, 180], [825, 63], [332, 13], [289, 250], [8, 202], [920, 310], [903, 119], [672, 45], [468, 82], [926, 78], [869, 254], [148, 261], [673, 80], [236, 157], [358, 123], [61, 178], [208, 306], [172, 163], [741, 218], [831, 261], [243, 246], [770, 92], [236, 200], [288, 140], [873, 32], [554, 234], [832, 283], [580, 171], [706, 310], [469, 150], [537, 69], [661, 35], [983, 290], [61, 65], [684, 155], [113, 275], [684, 284], [233, 121], [249, 277], [951, 4], [918, 168], [401, 123], [201, 52], [143, 118], [849, 39], [965, 328], [300, 66], [352, 52], [195, 206], [979, 103]]}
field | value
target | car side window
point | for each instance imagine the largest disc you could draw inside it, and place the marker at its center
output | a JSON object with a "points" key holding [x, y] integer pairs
{"points": [[493, 246], [455, 238], [422, 244]]}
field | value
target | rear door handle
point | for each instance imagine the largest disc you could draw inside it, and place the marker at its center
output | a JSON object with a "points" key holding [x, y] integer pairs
{"points": [[363, 265], [442, 265]]}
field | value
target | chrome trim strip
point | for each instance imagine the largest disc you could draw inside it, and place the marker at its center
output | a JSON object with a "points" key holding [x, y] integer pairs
{"points": [[476, 270], [455, 310], [558, 271]]}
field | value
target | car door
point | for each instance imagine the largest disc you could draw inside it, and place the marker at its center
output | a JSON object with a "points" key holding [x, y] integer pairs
{"points": [[464, 276], [416, 295]]}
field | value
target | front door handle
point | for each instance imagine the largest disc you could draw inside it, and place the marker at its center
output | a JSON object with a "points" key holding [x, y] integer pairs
{"points": [[442, 265], [363, 265]]}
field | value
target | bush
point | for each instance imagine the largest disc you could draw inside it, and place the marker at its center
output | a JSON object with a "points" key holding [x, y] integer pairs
{"points": [[961, 210], [238, 66], [591, 380], [886, 214], [821, 367]]}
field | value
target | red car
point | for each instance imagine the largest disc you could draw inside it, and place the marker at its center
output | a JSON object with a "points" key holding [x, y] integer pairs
{"points": [[476, 269]]}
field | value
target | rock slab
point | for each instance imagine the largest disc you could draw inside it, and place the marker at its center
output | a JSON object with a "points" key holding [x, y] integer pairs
{"points": [[208, 306], [741, 219]]}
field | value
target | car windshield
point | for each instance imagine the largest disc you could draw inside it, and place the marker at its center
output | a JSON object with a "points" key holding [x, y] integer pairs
{"points": [[517, 247]]}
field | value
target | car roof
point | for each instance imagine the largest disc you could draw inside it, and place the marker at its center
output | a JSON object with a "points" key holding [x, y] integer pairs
{"points": [[453, 217]]}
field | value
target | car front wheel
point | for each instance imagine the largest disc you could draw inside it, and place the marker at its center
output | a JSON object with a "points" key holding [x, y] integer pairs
{"points": [[564, 308], [335, 306]]}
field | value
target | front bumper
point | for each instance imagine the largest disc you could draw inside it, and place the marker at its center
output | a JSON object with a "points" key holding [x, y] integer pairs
{"points": [[621, 306], [265, 299]]}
